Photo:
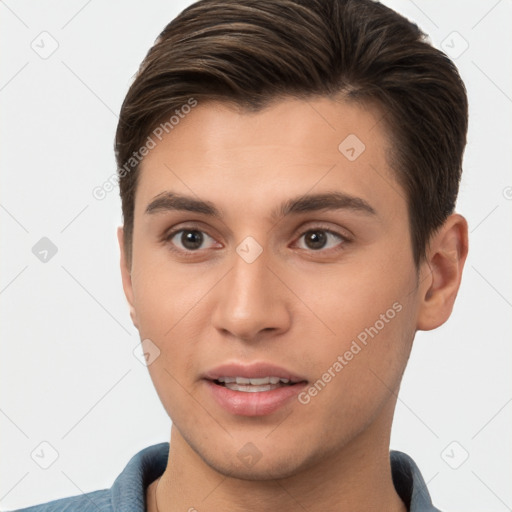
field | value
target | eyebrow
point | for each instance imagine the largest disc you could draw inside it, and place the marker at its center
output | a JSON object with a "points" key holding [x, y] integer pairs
{"points": [[170, 201]]}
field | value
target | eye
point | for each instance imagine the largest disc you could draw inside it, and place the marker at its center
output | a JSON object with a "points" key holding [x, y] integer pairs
{"points": [[190, 239], [319, 238]]}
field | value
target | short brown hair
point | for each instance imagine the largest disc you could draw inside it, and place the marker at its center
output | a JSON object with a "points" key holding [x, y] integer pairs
{"points": [[253, 52]]}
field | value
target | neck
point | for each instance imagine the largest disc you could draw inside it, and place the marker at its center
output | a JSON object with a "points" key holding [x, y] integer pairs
{"points": [[358, 477]]}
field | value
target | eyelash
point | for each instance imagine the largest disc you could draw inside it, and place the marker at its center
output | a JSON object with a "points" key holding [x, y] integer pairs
{"points": [[344, 239]]}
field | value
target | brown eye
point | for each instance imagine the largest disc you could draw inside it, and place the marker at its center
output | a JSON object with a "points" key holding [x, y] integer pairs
{"points": [[315, 239], [190, 239], [320, 238]]}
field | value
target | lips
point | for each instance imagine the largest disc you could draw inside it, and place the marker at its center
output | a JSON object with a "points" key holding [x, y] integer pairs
{"points": [[252, 390]]}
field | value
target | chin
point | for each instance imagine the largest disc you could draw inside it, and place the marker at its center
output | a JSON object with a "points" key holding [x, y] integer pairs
{"points": [[261, 467], [261, 471]]}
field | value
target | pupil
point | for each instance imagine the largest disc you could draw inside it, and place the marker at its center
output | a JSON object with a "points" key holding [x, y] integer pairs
{"points": [[192, 239], [316, 239]]}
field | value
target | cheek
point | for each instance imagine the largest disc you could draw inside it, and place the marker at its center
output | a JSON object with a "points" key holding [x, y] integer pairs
{"points": [[165, 297], [350, 298], [370, 312], [168, 308], [169, 314], [365, 313]]}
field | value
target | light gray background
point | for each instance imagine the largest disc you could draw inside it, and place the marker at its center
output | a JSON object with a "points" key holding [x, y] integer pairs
{"points": [[68, 373]]}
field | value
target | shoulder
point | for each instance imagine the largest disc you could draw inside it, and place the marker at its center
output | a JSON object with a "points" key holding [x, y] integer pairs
{"points": [[96, 501], [409, 483], [128, 491]]}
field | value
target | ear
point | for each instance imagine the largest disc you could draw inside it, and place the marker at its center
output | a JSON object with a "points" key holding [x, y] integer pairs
{"points": [[441, 272], [126, 277]]}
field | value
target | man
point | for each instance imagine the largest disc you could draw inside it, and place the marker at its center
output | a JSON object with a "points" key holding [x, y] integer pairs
{"points": [[288, 174]]}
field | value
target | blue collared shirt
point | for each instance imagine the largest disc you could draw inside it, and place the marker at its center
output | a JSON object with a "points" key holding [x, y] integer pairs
{"points": [[128, 494]]}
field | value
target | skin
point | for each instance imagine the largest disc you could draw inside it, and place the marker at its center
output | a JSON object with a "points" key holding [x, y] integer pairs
{"points": [[294, 306]]}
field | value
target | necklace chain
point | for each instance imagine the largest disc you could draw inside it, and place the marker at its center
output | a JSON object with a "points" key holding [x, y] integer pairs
{"points": [[156, 489]]}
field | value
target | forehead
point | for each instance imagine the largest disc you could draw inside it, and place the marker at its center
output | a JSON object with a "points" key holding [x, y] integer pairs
{"points": [[228, 155]]}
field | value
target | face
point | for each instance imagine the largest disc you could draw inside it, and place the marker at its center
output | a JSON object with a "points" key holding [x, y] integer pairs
{"points": [[274, 244]]}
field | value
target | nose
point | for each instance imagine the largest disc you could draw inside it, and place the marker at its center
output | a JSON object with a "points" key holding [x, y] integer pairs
{"points": [[252, 302]]}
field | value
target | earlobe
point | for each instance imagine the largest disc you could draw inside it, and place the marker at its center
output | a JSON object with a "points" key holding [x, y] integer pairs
{"points": [[442, 272], [126, 277]]}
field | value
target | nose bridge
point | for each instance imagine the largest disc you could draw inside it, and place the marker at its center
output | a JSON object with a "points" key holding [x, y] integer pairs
{"points": [[250, 281], [250, 300]]}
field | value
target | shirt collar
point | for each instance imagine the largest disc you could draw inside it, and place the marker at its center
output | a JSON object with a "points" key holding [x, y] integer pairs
{"points": [[409, 483], [129, 489]]}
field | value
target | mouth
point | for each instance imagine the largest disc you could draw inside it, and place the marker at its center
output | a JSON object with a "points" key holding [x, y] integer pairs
{"points": [[252, 390], [253, 385]]}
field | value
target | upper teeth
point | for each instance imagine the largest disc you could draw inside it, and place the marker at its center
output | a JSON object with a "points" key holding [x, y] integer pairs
{"points": [[254, 382]]}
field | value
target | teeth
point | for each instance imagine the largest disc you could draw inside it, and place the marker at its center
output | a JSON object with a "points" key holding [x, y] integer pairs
{"points": [[251, 388], [226, 379], [258, 382], [253, 382]]}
